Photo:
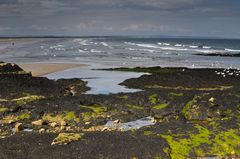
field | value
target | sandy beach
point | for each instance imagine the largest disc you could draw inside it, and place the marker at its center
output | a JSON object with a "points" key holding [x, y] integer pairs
{"points": [[41, 69]]}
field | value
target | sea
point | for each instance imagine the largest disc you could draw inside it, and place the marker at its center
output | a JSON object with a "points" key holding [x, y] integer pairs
{"points": [[126, 51], [110, 52]]}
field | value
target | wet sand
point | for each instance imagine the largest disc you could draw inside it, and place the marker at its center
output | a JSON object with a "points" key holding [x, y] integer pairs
{"points": [[41, 69]]}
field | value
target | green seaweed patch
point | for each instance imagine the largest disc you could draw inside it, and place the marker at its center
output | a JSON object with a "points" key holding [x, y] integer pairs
{"points": [[13, 118], [187, 107], [203, 144], [134, 107], [180, 148], [189, 104], [123, 97], [148, 133], [221, 88], [27, 99], [158, 70], [96, 108], [2, 109], [66, 138], [226, 143], [172, 94], [153, 98], [23, 116], [160, 106], [16, 73], [66, 116]]}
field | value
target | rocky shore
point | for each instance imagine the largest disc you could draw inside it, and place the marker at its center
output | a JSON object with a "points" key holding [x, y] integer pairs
{"points": [[181, 113]]}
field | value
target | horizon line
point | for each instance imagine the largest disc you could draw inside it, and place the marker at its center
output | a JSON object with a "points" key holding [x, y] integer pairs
{"points": [[96, 36]]}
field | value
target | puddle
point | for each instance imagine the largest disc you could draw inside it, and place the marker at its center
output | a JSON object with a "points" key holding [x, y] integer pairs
{"points": [[137, 124], [25, 130], [100, 82]]}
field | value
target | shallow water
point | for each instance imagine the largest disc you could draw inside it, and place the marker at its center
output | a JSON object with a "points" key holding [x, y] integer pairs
{"points": [[100, 82], [137, 124]]}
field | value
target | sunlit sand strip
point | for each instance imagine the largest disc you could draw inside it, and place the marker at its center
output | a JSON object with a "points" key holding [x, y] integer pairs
{"points": [[41, 69]]}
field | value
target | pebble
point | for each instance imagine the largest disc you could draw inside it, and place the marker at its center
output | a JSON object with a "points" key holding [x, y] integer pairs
{"points": [[18, 127], [53, 125], [41, 131], [38, 122]]}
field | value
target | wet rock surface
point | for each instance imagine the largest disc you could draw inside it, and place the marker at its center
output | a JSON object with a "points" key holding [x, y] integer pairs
{"points": [[195, 113]]}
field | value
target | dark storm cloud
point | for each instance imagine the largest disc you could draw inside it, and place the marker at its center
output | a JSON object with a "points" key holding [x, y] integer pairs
{"points": [[120, 17]]}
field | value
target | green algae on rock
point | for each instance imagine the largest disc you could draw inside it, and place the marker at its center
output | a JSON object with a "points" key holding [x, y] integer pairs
{"points": [[221, 88], [27, 99], [64, 116], [204, 144], [66, 138]]}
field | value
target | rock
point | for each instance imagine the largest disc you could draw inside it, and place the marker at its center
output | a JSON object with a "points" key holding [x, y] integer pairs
{"points": [[38, 122], [10, 121], [68, 128], [53, 124], [105, 129], [87, 123], [63, 123], [211, 100], [41, 131], [19, 127], [117, 121], [66, 138], [62, 128]]}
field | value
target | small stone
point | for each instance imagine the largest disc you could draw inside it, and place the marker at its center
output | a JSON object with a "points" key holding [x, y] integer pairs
{"points": [[105, 129], [54, 124], [68, 128], [19, 127], [211, 100], [87, 123], [117, 121], [38, 122], [62, 128], [41, 131], [11, 121], [63, 123]]}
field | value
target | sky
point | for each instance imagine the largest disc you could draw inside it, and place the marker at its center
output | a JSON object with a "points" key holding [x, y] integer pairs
{"points": [[198, 18]]}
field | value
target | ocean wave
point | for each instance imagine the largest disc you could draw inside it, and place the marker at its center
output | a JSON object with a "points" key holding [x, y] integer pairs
{"points": [[77, 40], [164, 44], [95, 51], [147, 50], [129, 43], [232, 50], [79, 50], [193, 46], [174, 49], [206, 47], [57, 47], [104, 44], [207, 51], [148, 46], [143, 45], [179, 45], [141, 58]]}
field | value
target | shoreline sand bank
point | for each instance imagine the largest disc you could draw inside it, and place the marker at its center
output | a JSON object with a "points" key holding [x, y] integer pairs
{"points": [[41, 69]]}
